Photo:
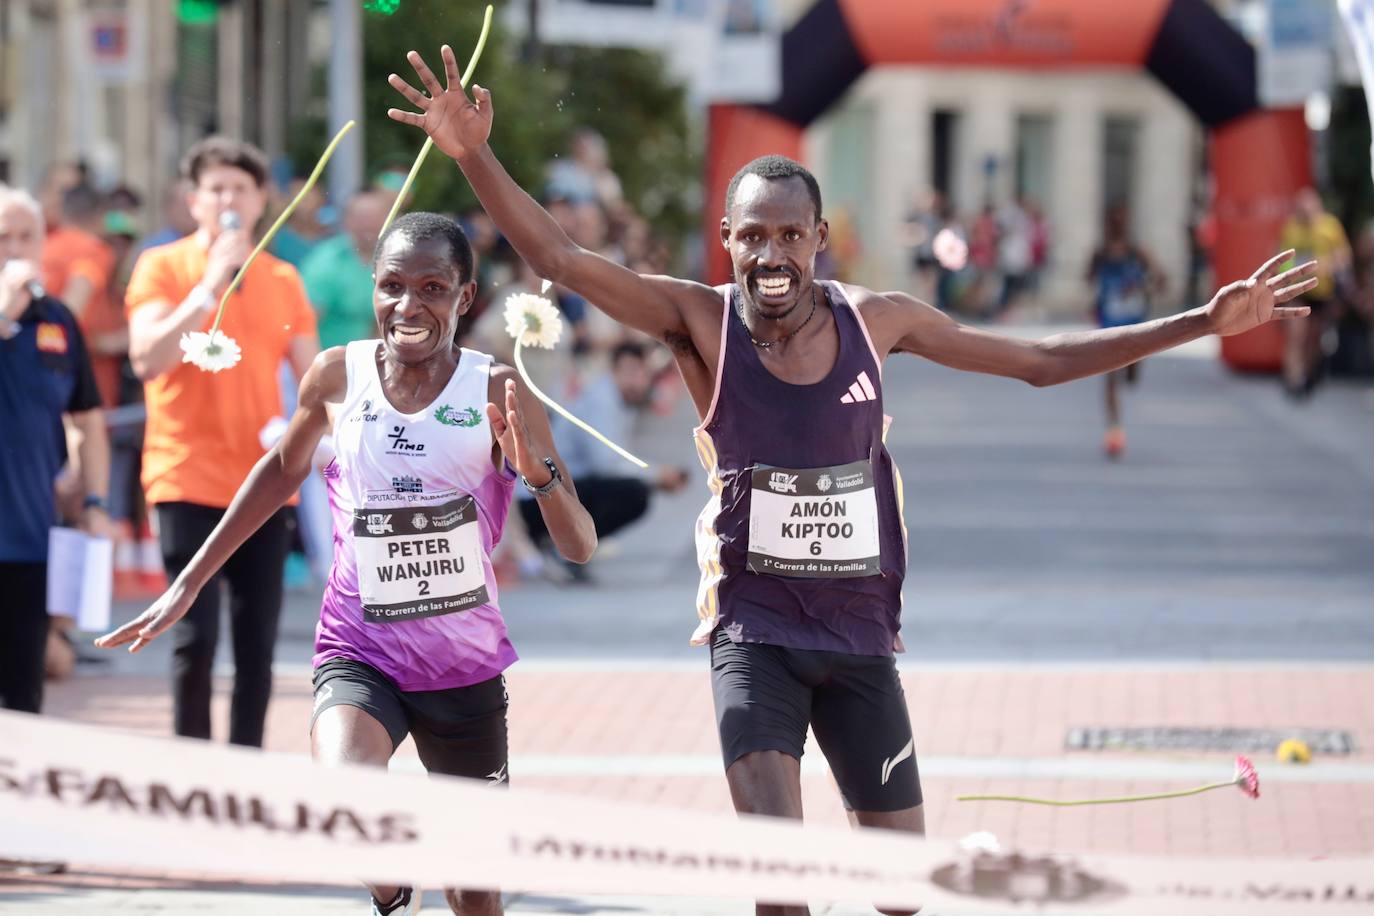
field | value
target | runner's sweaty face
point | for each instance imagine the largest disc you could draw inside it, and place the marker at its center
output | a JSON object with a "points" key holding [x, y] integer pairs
{"points": [[772, 233], [419, 293]]}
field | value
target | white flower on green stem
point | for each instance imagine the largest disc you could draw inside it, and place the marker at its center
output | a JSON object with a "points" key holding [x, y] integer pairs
{"points": [[533, 320], [210, 351]]}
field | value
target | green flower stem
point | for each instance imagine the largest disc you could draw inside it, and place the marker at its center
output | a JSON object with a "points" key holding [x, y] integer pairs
{"points": [[429, 143], [520, 367], [1096, 801], [281, 220]]}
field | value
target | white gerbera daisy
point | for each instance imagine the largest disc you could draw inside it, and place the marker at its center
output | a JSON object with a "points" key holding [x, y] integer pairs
{"points": [[950, 250], [211, 353], [533, 320]]}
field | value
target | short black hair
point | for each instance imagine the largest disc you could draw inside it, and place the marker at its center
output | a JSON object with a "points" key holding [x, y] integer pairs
{"points": [[81, 202], [213, 151], [422, 226], [775, 168], [628, 348]]}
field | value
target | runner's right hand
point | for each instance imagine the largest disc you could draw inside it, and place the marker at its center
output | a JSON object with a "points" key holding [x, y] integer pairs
{"points": [[457, 125], [152, 623]]}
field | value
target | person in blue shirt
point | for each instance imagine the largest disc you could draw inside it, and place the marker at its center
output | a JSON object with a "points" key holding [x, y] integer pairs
{"points": [[615, 494], [45, 372], [1125, 279]]}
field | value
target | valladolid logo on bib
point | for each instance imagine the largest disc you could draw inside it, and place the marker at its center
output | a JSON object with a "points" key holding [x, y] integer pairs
{"points": [[468, 416]]}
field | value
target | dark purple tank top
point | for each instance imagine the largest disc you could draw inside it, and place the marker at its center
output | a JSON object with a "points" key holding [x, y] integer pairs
{"points": [[824, 564]]}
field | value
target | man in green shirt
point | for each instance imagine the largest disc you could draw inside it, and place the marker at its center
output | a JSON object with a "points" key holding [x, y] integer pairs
{"points": [[338, 272]]}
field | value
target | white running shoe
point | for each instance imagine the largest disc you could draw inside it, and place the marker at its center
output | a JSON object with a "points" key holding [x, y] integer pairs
{"points": [[407, 903]]}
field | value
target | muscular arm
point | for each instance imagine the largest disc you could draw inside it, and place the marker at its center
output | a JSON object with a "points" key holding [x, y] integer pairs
{"points": [[905, 324], [1053, 360], [649, 304]]}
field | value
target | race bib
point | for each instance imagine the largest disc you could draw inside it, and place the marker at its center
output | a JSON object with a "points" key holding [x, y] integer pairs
{"points": [[1125, 306], [820, 523], [419, 561]]}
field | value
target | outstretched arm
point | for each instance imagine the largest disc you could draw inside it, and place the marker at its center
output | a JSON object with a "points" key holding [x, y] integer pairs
{"points": [[273, 480], [460, 127], [1236, 308]]}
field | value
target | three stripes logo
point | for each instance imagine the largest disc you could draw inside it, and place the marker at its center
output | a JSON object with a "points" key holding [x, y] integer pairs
{"points": [[860, 391]]}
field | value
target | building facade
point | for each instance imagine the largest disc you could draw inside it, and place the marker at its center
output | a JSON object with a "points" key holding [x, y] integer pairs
{"points": [[1075, 142]]}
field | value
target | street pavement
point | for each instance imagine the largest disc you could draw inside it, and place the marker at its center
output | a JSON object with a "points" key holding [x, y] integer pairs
{"points": [[1219, 575]]}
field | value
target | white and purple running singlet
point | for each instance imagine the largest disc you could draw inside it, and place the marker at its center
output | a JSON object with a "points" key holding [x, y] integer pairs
{"points": [[417, 507]]}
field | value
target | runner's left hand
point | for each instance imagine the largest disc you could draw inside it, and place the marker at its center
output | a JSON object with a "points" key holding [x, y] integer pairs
{"points": [[1246, 304], [513, 436]]}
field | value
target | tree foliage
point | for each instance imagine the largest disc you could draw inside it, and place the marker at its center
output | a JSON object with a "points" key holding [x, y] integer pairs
{"points": [[624, 94]]}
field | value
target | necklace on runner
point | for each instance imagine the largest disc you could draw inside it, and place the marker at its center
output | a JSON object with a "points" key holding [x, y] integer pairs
{"points": [[768, 344]]}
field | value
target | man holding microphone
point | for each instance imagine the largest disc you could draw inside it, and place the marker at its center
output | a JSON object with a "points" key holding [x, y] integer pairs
{"points": [[45, 372], [203, 428]]}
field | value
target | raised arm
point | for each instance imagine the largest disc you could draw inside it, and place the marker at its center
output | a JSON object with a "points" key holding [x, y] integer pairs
{"points": [[460, 126], [273, 480], [906, 325]]}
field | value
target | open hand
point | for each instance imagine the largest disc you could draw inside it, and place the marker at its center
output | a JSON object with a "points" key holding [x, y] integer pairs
{"points": [[457, 125], [152, 623], [508, 426], [1238, 307]]}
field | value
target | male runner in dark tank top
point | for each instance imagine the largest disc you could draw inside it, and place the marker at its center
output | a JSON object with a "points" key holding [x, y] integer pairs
{"points": [[801, 546]]}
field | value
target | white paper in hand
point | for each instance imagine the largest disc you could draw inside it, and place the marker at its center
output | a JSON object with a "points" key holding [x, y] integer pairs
{"points": [[80, 568]]}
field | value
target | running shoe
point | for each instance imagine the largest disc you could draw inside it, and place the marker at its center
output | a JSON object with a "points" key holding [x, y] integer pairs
{"points": [[407, 903], [1114, 444]]}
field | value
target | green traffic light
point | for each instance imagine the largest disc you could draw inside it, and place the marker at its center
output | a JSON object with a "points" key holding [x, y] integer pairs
{"points": [[385, 7], [197, 12]]}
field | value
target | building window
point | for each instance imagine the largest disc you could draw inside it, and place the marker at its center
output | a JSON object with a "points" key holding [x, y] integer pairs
{"points": [[944, 151], [1120, 142], [1034, 157]]}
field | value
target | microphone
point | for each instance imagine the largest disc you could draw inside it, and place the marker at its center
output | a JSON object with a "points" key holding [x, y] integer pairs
{"points": [[32, 287], [230, 221]]}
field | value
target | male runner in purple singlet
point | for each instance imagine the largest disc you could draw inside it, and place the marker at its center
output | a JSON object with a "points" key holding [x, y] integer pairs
{"points": [[801, 546]]}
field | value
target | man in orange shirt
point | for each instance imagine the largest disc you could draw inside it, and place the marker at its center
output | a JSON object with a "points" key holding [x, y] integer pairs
{"points": [[203, 431], [78, 267]]}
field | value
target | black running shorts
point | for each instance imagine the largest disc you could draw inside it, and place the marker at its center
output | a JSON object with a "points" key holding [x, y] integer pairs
{"points": [[766, 696], [458, 732]]}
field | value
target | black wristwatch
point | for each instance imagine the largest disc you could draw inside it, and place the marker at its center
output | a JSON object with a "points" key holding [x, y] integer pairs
{"points": [[94, 502], [547, 488]]}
